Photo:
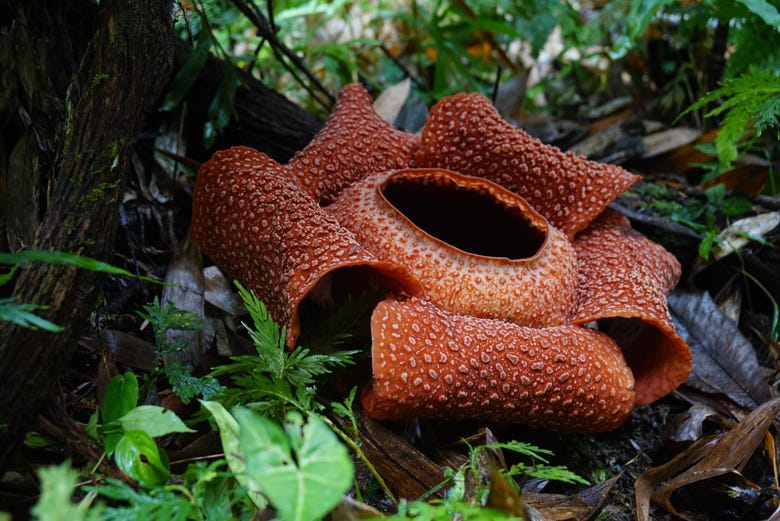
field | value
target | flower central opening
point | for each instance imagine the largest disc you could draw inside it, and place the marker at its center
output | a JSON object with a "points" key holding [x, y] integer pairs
{"points": [[474, 217]]}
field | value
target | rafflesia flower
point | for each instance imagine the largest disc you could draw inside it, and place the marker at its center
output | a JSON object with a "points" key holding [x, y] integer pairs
{"points": [[512, 293]]}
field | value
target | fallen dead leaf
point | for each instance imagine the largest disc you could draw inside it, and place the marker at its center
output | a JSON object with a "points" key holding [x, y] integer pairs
{"points": [[707, 458], [741, 232], [388, 104], [748, 178], [578, 507], [407, 472], [667, 140], [687, 427], [723, 363], [184, 289], [128, 349], [219, 294]]}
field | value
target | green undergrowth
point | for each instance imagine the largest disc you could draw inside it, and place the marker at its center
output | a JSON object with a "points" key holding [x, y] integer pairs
{"points": [[26, 314], [281, 452]]}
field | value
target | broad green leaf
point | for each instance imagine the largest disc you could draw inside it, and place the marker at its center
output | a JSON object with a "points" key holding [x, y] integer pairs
{"points": [[736, 206], [641, 13], [121, 396], [764, 10], [139, 457], [302, 469], [153, 420], [229, 432], [705, 246]]}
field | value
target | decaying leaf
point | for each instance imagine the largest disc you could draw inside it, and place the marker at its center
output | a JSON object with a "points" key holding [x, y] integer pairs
{"points": [[349, 509], [184, 289], [707, 458], [723, 363], [739, 233], [388, 104], [688, 426], [667, 140], [407, 472], [502, 495], [128, 349], [219, 292], [578, 507]]}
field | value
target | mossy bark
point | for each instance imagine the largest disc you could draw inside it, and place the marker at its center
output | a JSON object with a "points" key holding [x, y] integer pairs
{"points": [[89, 124]]}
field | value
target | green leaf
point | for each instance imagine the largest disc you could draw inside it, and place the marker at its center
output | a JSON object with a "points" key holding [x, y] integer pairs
{"points": [[153, 420], [54, 504], [61, 257], [229, 432], [302, 469], [705, 246], [188, 73], [22, 315], [222, 107], [642, 12], [764, 10], [736, 206], [5, 277], [139, 457], [715, 193], [121, 396]]}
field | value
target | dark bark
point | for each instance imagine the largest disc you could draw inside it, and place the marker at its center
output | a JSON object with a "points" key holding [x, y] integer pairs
{"points": [[264, 119], [121, 74]]}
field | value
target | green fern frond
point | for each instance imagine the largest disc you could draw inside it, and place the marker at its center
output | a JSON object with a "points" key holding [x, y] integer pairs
{"points": [[275, 379], [749, 105]]}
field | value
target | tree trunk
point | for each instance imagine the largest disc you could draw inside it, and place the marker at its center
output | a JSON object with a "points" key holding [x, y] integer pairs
{"points": [[120, 76], [263, 119]]}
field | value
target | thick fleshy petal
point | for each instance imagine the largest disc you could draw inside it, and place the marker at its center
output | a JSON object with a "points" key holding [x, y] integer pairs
{"points": [[466, 134], [476, 248], [354, 143], [254, 222], [430, 363], [496, 330], [625, 277]]}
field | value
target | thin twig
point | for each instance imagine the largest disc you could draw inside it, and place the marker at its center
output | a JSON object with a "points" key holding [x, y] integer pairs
{"points": [[281, 51]]}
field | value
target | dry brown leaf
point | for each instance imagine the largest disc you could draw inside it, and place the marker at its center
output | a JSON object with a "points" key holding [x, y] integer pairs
{"points": [[184, 289], [407, 472], [388, 104], [734, 237], [128, 349], [707, 458], [748, 178], [578, 507], [667, 140], [350, 509], [688, 427], [723, 363], [219, 294], [684, 158]]}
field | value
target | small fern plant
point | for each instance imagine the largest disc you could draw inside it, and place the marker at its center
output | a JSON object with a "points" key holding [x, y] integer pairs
{"points": [[274, 379], [750, 105]]}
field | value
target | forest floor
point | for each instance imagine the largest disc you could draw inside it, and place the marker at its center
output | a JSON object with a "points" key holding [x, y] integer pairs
{"points": [[734, 372]]}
